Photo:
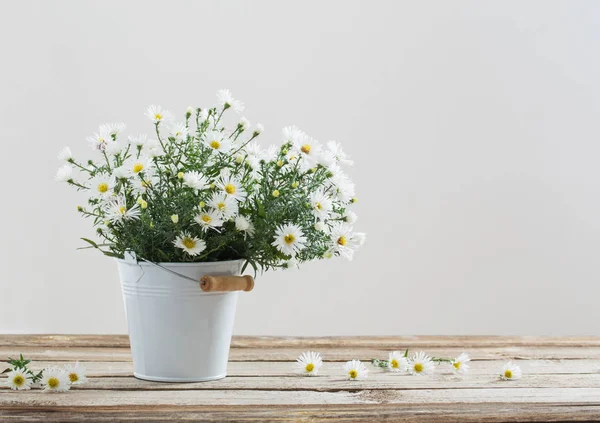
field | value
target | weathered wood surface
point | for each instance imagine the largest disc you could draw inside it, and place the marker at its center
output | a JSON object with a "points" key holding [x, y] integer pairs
{"points": [[561, 382]]}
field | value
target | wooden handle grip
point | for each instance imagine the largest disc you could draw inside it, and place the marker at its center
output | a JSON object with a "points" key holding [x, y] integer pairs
{"points": [[226, 283]]}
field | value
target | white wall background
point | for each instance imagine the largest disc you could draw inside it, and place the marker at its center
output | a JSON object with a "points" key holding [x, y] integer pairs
{"points": [[474, 126]]}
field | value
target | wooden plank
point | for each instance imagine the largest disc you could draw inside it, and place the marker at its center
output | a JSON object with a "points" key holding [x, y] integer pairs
{"points": [[333, 354], [335, 383], [117, 398], [412, 413], [286, 368], [386, 342]]}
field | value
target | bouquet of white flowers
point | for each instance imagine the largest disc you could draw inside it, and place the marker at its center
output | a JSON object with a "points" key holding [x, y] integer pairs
{"points": [[196, 191]]}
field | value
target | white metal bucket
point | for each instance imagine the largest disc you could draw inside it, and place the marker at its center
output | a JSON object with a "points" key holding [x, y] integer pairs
{"points": [[177, 332]]}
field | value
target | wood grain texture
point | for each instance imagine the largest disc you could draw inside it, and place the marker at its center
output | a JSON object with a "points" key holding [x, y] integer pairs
{"points": [[561, 382]]}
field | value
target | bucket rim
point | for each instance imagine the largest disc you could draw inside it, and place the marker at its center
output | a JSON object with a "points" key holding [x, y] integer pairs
{"points": [[180, 264]]}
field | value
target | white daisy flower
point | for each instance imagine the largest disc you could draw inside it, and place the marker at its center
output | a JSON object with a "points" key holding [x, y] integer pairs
{"points": [[243, 224], [510, 371], [121, 172], [336, 150], [195, 180], [190, 244], [99, 140], [320, 226], [153, 149], [350, 217], [232, 186], [179, 131], [259, 129], [358, 238], [55, 380], [321, 204], [116, 211], [77, 374], [460, 363], [292, 134], [343, 240], [355, 370], [112, 129], [203, 115], [142, 164], [18, 380], [420, 364], [308, 149], [65, 154], [397, 362], [141, 185], [64, 173], [226, 206], [226, 101], [217, 142], [113, 148], [289, 239], [244, 123], [101, 185], [292, 264], [138, 140], [309, 363], [209, 219], [157, 114]]}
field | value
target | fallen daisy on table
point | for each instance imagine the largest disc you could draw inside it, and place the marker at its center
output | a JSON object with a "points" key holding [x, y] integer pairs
{"points": [[55, 380], [77, 374], [510, 371], [397, 362], [309, 363], [355, 370], [460, 364], [18, 380], [420, 364]]}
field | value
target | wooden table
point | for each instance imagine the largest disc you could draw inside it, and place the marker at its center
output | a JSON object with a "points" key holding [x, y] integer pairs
{"points": [[561, 382]]}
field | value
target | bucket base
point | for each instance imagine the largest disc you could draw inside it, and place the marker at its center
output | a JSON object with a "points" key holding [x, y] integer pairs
{"points": [[171, 379]]}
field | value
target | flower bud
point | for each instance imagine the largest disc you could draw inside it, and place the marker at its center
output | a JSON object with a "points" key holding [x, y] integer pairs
{"points": [[175, 218], [275, 193]]}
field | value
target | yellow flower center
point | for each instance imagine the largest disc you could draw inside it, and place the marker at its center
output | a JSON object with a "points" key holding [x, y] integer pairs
{"points": [[342, 240], [456, 365], [122, 209], [189, 242], [508, 374], [318, 206], [230, 189], [394, 363], [310, 367], [289, 238], [418, 367], [138, 167], [305, 148], [158, 116], [102, 187], [206, 218], [18, 380], [221, 206], [353, 373], [215, 144], [73, 377], [53, 382]]}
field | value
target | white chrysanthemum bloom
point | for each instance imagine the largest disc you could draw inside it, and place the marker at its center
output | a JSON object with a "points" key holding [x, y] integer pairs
{"points": [[226, 101], [77, 374], [190, 111], [291, 134], [355, 370], [121, 172], [157, 114], [116, 211], [101, 185], [309, 149], [292, 264], [336, 150], [243, 224], [65, 154], [320, 226], [113, 148], [99, 140], [179, 131], [224, 204], [321, 204], [342, 238], [209, 219], [138, 140], [289, 239], [510, 371], [244, 123], [397, 362], [112, 129], [55, 380], [350, 217], [232, 186], [142, 164], [190, 244], [217, 142], [358, 238], [195, 180], [461, 363], [309, 363], [64, 173], [153, 149], [420, 364], [259, 129], [142, 185], [18, 380], [326, 159], [343, 188], [203, 115]]}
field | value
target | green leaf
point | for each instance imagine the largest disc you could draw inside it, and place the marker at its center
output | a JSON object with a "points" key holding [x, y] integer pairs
{"points": [[406, 353], [89, 241], [6, 371]]}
